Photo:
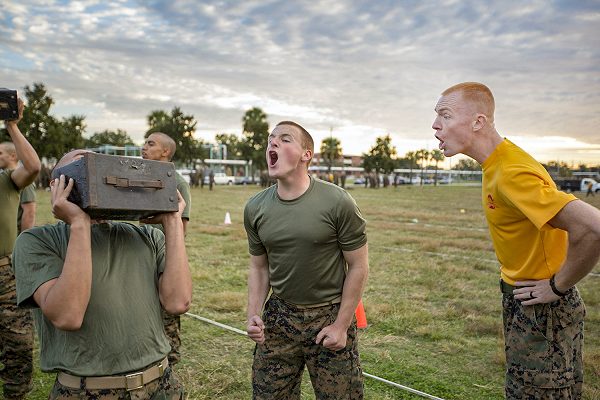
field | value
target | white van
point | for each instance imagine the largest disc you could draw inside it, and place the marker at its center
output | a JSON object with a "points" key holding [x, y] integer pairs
{"points": [[586, 181]]}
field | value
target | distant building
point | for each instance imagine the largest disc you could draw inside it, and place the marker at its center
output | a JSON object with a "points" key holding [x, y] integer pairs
{"points": [[131, 151]]}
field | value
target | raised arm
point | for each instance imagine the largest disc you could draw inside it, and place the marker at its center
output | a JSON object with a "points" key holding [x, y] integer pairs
{"points": [[64, 300], [258, 289], [334, 336], [582, 222], [30, 165]]}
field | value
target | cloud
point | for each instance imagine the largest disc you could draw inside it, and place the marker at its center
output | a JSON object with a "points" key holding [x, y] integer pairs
{"points": [[361, 68]]}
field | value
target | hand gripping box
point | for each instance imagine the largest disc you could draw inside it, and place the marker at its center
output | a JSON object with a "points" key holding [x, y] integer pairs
{"points": [[121, 188]]}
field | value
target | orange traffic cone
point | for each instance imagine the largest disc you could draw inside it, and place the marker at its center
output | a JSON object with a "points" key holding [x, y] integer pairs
{"points": [[361, 317]]}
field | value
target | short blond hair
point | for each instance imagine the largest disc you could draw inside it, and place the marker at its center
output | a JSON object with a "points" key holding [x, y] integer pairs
{"points": [[477, 94]]}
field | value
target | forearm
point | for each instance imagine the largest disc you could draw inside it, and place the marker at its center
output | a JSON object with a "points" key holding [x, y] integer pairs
{"points": [[175, 287], [28, 217], [258, 289], [582, 256], [26, 154], [66, 302], [352, 293], [582, 222]]}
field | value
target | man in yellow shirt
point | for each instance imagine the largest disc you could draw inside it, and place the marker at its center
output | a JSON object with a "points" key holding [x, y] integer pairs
{"points": [[545, 240]]}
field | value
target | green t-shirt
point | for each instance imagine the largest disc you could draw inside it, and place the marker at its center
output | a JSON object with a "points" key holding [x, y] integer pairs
{"points": [[27, 196], [304, 238], [122, 329], [9, 202]]}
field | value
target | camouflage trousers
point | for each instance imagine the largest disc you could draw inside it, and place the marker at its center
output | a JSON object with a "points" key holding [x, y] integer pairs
{"points": [[289, 345], [543, 345], [172, 325], [16, 339], [166, 387]]}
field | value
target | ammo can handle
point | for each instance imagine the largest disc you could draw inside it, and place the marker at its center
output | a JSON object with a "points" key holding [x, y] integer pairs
{"points": [[126, 183]]}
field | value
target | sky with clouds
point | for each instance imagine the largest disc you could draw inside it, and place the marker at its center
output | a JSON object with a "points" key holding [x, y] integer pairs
{"points": [[353, 69]]}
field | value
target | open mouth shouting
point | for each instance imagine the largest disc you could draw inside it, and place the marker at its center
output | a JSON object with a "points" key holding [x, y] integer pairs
{"points": [[273, 157]]}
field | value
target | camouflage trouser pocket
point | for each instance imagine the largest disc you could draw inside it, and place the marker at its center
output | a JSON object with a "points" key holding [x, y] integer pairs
{"points": [[534, 384], [543, 346], [548, 380]]}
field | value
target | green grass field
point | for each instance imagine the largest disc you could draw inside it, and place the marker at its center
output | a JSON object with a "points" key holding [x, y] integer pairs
{"points": [[432, 300]]}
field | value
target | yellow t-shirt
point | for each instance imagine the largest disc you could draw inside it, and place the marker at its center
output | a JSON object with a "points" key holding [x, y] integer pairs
{"points": [[519, 198]]}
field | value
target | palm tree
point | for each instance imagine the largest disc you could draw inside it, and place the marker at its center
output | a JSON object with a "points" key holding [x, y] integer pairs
{"points": [[422, 155], [411, 156], [437, 156], [331, 150]]}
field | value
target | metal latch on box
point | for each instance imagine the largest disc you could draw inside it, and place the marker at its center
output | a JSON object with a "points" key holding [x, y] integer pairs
{"points": [[126, 183]]}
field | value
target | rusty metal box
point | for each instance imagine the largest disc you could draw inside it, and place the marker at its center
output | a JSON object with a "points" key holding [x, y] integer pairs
{"points": [[121, 188]]}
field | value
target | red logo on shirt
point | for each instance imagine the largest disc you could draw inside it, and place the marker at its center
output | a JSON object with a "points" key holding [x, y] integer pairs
{"points": [[490, 202]]}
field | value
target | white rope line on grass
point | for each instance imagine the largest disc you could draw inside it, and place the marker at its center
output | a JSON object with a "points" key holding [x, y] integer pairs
{"points": [[414, 391], [220, 325], [241, 332]]}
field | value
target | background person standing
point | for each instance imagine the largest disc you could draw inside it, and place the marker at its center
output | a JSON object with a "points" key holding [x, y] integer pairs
{"points": [[16, 325], [161, 147]]}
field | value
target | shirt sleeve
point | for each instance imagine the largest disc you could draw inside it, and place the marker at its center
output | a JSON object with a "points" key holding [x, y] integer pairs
{"points": [[351, 226], [37, 258], [157, 238], [531, 193], [255, 245], [28, 194]]}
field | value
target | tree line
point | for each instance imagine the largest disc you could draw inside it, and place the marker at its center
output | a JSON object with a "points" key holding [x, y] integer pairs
{"points": [[52, 137]]}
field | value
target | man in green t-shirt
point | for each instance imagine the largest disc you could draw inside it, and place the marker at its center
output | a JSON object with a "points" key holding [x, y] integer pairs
{"points": [[16, 326], [308, 245], [161, 147], [97, 289]]}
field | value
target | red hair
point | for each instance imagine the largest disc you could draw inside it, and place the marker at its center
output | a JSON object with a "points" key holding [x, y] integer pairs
{"points": [[477, 94]]}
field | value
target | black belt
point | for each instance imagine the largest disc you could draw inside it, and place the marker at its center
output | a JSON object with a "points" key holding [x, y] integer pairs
{"points": [[506, 288]]}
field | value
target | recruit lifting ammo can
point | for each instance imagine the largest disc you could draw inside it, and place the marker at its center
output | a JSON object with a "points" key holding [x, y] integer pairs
{"points": [[121, 188]]}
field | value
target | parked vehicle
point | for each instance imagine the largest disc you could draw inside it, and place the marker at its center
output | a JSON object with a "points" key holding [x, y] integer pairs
{"points": [[572, 185], [568, 185], [243, 180], [220, 179], [401, 180], [185, 173], [586, 181]]}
